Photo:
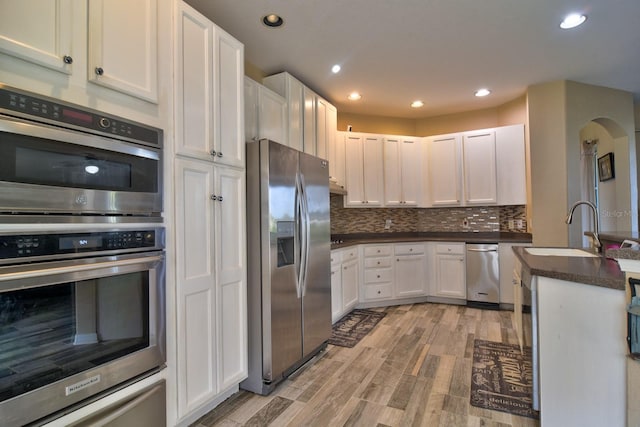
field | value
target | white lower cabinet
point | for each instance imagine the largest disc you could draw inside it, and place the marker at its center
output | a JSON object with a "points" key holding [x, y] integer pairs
{"points": [[345, 279], [210, 282], [410, 270], [450, 271], [507, 264], [378, 272]]}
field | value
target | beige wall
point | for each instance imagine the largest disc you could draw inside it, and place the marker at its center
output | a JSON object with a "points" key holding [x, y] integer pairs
{"points": [[253, 72], [557, 111], [377, 124], [513, 112]]}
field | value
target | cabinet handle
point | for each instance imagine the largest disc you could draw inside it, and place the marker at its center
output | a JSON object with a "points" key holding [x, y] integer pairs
{"points": [[378, 276], [213, 153], [214, 197], [344, 268], [67, 59], [379, 292], [333, 272], [219, 153], [219, 198], [99, 71], [410, 249], [378, 262]]}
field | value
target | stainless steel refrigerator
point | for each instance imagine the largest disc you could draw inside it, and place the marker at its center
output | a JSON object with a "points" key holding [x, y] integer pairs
{"points": [[289, 273]]}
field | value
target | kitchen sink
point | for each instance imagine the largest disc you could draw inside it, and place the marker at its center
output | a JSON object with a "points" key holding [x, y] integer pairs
{"points": [[560, 252]]}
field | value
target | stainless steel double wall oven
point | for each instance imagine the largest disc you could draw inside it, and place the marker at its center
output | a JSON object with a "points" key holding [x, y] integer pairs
{"points": [[82, 263]]}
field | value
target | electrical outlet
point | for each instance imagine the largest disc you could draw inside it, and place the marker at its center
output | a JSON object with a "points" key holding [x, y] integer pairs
{"points": [[512, 224], [387, 224], [519, 223], [465, 223]]}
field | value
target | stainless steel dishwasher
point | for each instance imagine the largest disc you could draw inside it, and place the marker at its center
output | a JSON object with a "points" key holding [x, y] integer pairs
{"points": [[483, 275]]}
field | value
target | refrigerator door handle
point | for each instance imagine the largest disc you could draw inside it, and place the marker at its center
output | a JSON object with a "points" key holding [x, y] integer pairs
{"points": [[306, 234], [297, 237]]}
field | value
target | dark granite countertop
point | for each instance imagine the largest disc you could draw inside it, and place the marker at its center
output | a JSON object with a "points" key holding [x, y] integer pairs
{"points": [[625, 253], [467, 237], [598, 271]]}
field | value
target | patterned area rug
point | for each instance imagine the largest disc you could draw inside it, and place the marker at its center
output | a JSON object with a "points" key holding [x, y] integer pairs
{"points": [[349, 330], [501, 378]]}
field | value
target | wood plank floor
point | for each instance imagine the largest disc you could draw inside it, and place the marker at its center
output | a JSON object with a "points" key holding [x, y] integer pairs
{"points": [[413, 369]]}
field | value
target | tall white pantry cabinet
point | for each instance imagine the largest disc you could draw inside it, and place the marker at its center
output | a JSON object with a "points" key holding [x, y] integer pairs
{"points": [[209, 168]]}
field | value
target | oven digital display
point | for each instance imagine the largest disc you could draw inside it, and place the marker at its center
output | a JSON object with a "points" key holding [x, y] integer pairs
{"points": [[77, 116], [80, 242]]}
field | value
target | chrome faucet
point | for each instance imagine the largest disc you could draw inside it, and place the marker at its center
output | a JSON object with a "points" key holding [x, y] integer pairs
{"points": [[596, 227]]}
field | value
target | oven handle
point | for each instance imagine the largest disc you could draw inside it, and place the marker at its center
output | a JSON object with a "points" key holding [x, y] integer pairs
{"points": [[34, 271]]}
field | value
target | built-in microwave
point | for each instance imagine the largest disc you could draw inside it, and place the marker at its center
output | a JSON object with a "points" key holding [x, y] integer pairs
{"points": [[63, 160]]}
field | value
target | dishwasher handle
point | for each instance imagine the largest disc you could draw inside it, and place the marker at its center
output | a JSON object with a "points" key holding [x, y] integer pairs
{"points": [[481, 250]]}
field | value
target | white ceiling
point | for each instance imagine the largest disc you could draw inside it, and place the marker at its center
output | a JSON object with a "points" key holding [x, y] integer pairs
{"points": [[439, 51]]}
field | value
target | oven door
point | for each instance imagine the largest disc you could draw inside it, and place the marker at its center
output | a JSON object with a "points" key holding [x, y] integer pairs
{"points": [[72, 329], [46, 169]]}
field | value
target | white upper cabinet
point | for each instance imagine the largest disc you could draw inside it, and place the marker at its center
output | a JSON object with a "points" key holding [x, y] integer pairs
{"points": [[123, 44], [479, 154], [402, 171], [309, 122], [511, 164], [326, 128], [43, 37], [209, 97], [336, 153], [364, 174], [291, 89], [445, 170], [265, 113]]}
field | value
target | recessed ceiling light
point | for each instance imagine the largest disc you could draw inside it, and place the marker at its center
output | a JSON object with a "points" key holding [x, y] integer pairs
{"points": [[272, 20], [335, 69], [417, 104], [572, 21], [354, 96], [482, 92]]}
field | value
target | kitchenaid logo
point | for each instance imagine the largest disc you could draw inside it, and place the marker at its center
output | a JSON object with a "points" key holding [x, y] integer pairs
{"points": [[81, 199], [81, 385]]}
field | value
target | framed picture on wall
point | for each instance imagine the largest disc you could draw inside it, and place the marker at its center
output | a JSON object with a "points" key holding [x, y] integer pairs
{"points": [[606, 169]]}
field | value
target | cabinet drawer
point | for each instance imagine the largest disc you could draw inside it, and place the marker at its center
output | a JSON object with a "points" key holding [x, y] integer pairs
{"points": [[382, 250], [349, 254], [408, 249], [450, 248], [377, 291], [378, 275], [336, 257], [377, 262]]}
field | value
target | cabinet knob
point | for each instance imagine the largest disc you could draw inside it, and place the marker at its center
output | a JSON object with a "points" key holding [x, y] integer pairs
{"points": [[379, 292], [410, 249], [213, 152], [378, 262], [219, 153], [219, 198], [67, 59], [99, 71], [333, 272], [344, 268], [378, 276], [214, 197]]}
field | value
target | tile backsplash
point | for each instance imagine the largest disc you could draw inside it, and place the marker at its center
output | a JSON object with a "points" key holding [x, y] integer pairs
{"points": [[471, 219]]}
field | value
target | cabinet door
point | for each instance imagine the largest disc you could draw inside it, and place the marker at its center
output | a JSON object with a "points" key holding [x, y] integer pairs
{"points": [[229, 99], [479, 150], [411, 177], [296, 114], [196, 296], [322, 134], [511, 165], [350, 284], [194, 88], [450, 276], [392, 172], [354, 174], [410, 274], [507, 260], [123, 46], [309, 98], [336, 148], [373, 171], [230, 256], [272, 116], [250, 109], [336, 292], [42, 37], [444, 170]]}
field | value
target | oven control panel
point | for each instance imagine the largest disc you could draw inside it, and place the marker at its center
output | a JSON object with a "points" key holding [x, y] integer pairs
{"points": [[42, 108], [49, 245]]}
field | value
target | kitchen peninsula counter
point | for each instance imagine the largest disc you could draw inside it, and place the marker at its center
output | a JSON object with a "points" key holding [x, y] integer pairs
{"points": [[597, 271], [466, 237]]}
